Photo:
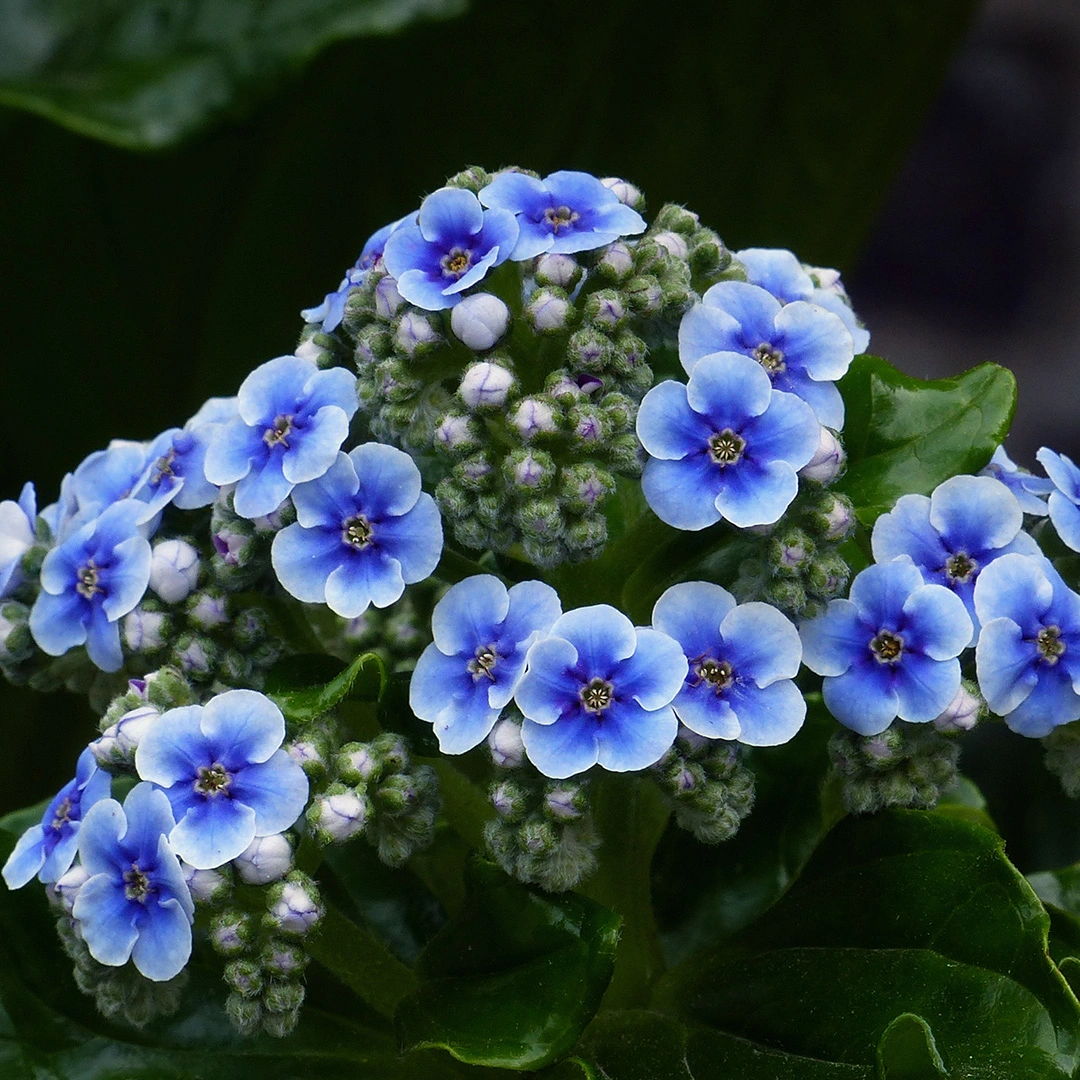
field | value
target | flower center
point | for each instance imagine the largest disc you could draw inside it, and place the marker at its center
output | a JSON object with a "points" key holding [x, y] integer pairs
{"points": [[455, 262], [62, 815], [770, 358], [136, 884], [278, 432], [560, 217], [960, 567], [212, 780], [597, 695], [357, 532], [719, 674], [887, 647], [482, 665], [87, 584], [1049, 644], [726, 448]]}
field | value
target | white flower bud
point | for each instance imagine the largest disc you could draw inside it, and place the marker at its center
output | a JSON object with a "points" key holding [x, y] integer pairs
{"points": [[563, 803], [305, 753], [266, 859], [341, 816], [828, 460], [308, 350], [673, 244], [68, 885], [624, 191], [560, 270], [144, 631], [548, 311], [174, 570], [361, 762], [618, 259], [507, 749], [208, 611], [454, 432], [479, 321], [485, 384], [414, 332], [204, 885], [533, 418], [962, 713], [118, 742], [294, 911], [388, 300]]}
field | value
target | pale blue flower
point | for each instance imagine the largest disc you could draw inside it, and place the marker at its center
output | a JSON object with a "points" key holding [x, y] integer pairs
{"points": [[363, 532], [18, 534], [469, 673], [598, 689], [726, 445], [1064, 502], [1030, 490], [228, 780], [1028, 656], [135, 904], [742, 657], [890, 650]]}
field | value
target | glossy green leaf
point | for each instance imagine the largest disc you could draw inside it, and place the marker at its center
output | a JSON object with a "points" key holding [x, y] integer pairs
{"points": [[305, 687], [512, 980], [908, 1051], [905, 435], [903, 912], [145, 74]]}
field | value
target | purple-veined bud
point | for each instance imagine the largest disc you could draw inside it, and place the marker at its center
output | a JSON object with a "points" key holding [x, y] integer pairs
{"points": [[388, 300], [340, 816], [962, 713], [532, 418], [564, 803], [293, 909], [455, 432], [414, 333], [548, 311], [174, 570], [617, 260], [625, 192], [507, 749], [265, 859], [356, 762], [205, 886], [485, 384], [672, 243], [559, 270], [68, 885], [306, 754], [208, 610], [230, 933], [479, 321], [145, 631], [828, 460]]}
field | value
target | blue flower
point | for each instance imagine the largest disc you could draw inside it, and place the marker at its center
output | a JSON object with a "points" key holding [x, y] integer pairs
{"points": [[954, 534], [1064, 500], [48, 849], [90, 581], [293, 420], [453, 245], [1028, 656], [599, 690], [726, 445], [482, 635], [18, 534], [801, 346], [742, 661], [563, 213], [1028, 488], [332, 310], [781, 273], [226, 776], [135, 904], [363, 532], [890, 650]]}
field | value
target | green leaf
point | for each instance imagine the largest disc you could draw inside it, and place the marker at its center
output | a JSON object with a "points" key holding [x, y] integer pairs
{"points": [[144, 75], [514, 977], [907, 1051], [903, 912], [305, 687], [906, 435]]}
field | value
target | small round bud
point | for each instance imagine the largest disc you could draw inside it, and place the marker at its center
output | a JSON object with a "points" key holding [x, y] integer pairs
{"points": [[565, 802], [415, 335], [233, 547], [266, 859], [479, 321], [605, 308], [340, 816], [533, 417], [587, 425], [117, 745], [208, 610], [676, 218], [388, 300], [587, 350], [828, 461], [245, 1014], [791, 553], [963, 712], [548, 310], [282, 960], [146, 631], [507, 749], [68, 885], [539, 519], [645, 294], [194, 656], [308, 755], [474, 473], [584, 486], [673, 243], [294, 906], [356, 763], [456, 432], [167, 688], [510, 799], [283, 997], [617, 262], [834, 517], [231, 932], [561, 271], [625, 192], [472, 179], [532, 470], [205, 886], [485, 385], [174, 570]]}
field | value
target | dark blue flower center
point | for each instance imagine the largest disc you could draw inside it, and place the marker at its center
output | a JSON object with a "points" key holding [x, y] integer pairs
{"points": [[770, 358], [212, 780], [357, 532], [482, 665], [1049, 644], [596, 695], [278, 432], [726, 447], [560, 217], [887, 647], [718, 674], [456, 262], [960, 567], [86, 584], [136, 884]]}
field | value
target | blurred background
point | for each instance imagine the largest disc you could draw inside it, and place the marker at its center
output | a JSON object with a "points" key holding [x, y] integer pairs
{"points": [[180, 178]]}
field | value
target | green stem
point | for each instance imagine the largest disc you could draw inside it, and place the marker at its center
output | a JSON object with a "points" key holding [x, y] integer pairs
{"points": [[630, 814]]}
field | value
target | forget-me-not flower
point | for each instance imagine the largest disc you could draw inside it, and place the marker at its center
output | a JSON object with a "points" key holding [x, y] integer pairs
{"points": [[1030, 490], [564, 213], [781, 273], [135, 904], [1028, 656], [91, 581], [598, 689], [726, 445], [362, 533], [451, 247], [18, 534], [292, 421], [228, 780], [890, 650], [482, 634], [954, 534], [1064, 502], [48, 848], [801, 346], [742, 657]]}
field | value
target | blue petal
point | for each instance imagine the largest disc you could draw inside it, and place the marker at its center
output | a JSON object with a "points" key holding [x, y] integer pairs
{"points": [[516, 192], [880, 591], [834, 641], [174, 748], [415, 539], [466, 723], [691, 613], [329, 499], [562, 749], [1062, 471], [389, 480], [549, 688], [860, 336], [706, 713], [655, 673], [863, 698], [683, 493], [975, 513], [756, 493], [213, 832], [262, 491], [59, 860], [770, 715], [727, 388], [1051, 703], [815, 340], [1014, 587], [777, 270], [277, 790], [425, 290], [334, 386], [103, 641], [232, 449], [761, 643], [787, 431], [303, 560], [444, 693], [500, 231], [1006, 665], [149, 819], [407, 251], [26, 859], [106, 919], [475, 272], [99, 838], [666, 425], [906, 530], [533, 608], [164, 942], [602, 636], [1066, 518], [242, 726], [366, 577], [272, 388], [126, 579], [937, 623], [468, 616], [57, 622], [534, 238], [925, 687], [449, 215], [753, 308], [315, 449], [704, 331], [632, 738], [822, 397]]}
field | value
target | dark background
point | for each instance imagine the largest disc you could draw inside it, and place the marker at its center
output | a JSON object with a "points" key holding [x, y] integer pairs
{"points": [[930, 155]]}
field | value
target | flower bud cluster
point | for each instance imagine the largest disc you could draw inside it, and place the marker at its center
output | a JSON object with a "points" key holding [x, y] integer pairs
{"points": [[906, 765], [709, 788], [397, 635], [543, 833]]}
